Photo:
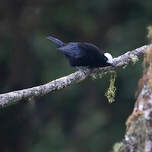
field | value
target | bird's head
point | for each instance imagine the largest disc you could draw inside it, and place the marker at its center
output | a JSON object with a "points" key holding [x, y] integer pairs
{"points": [[109, 58]]}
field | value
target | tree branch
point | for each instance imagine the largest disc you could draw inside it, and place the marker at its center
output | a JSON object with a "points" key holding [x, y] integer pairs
{"points": [[15, 96]]}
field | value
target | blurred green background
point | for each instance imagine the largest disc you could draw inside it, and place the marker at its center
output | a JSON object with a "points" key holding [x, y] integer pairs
{"points": [[78, 118]]}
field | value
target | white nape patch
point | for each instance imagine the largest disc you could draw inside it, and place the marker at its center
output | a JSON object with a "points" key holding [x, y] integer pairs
{"points": [[109, 56]]}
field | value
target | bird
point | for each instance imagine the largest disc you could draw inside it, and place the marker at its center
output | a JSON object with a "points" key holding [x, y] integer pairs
{"points": [[83, 54]]}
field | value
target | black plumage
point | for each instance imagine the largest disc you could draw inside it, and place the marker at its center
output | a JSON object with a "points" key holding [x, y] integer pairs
{"points": [[82, 53]]}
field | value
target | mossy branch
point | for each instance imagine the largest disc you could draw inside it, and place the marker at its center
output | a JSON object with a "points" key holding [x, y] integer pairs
{"points": [[16, 96]]}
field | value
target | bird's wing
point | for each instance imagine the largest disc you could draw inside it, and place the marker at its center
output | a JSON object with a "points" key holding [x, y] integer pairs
{"points": [[92, 53], [89, 48], [72, 49]]}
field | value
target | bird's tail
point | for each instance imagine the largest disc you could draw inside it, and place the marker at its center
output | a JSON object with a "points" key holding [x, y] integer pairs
{"points": [[56, 41]]}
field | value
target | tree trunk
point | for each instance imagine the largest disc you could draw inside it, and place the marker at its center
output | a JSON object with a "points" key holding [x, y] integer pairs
{"points": [[138, 137]]}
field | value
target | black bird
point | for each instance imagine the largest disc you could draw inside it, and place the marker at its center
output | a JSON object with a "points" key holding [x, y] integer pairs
{"points": [[83, 54]]}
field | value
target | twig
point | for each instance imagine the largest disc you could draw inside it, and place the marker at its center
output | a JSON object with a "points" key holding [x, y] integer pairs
{"points": [[15, 96]]}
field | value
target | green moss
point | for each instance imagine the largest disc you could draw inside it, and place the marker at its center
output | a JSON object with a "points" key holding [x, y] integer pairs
{"points": [[149, 35], [110, 94], [95, 76], [117, 147], [134, 58], [124, 67]]}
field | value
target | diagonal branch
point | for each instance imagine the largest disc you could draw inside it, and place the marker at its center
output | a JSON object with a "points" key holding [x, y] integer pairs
{"points": [[15, 96]]}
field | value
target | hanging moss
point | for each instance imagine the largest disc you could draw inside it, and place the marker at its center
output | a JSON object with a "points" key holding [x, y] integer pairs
{"points": [[110, 94]]}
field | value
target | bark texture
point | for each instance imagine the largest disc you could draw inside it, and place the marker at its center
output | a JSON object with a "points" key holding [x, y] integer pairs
{"points": [[138, 137], [15, 96]]}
